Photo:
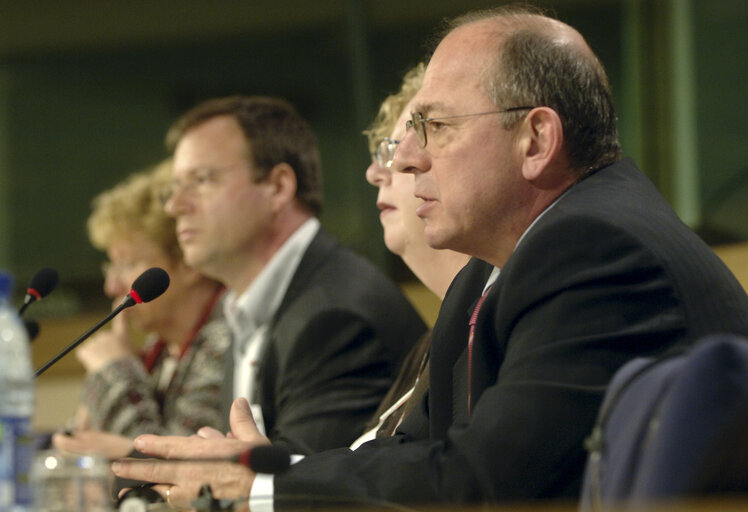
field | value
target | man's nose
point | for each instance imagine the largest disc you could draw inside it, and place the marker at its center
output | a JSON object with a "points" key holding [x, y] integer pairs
{"points": [[409, 156], [176, 203]]}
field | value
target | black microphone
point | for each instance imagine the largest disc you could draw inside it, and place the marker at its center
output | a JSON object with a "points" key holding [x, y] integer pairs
{"points": [[149, 285], [269, 458], [41, 285]]}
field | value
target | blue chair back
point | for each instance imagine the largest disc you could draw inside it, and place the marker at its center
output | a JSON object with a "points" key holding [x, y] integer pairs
{"points": [[669, 427]]}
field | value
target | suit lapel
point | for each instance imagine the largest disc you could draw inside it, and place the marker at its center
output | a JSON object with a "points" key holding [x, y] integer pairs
{"points": [[315, 255], [449, 341], [322, 244]]}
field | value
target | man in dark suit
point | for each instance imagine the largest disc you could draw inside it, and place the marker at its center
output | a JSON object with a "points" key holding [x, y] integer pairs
{"points": [[514, 148], [319, 332]]}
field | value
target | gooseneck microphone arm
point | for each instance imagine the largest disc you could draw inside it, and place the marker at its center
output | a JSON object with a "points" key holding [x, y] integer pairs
{"points": [[149, 285], [84, 336], [24, 306]]}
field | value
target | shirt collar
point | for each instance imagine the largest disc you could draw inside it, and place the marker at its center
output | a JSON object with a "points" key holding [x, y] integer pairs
{"points": [[496, 270], [258, 303], [535, 221]]}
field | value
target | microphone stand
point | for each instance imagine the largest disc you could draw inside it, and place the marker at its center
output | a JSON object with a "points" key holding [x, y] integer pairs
{"points": [[129, 301], [25, 304]]}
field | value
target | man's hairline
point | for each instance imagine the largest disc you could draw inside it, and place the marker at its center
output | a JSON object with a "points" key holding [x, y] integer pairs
{"points": [[246, 151]]}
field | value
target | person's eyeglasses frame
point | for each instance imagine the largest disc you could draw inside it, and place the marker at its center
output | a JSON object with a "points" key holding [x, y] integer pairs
{"points": [[418, 122], [199, 176], [384, 152]]}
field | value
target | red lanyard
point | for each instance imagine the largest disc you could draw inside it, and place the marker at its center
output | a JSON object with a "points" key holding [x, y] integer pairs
{"points": [[153, 355]]}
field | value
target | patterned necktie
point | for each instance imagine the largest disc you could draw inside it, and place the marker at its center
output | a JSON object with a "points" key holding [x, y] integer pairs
{"points": [[471, 337]]}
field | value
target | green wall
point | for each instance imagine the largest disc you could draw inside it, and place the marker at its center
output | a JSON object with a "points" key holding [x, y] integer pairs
{"points": [[82, 108]]}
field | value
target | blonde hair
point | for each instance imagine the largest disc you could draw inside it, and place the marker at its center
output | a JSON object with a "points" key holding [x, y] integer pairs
{"points": [[134, 206], [393, 106]]}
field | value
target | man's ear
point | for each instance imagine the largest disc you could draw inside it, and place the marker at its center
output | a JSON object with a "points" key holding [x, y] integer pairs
{"points": [[541, 139], [282, 185]]}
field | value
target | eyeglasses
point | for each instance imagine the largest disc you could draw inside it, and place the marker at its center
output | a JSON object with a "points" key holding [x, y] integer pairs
{"points": [[418, 122], [384, 153], [196, 181]]}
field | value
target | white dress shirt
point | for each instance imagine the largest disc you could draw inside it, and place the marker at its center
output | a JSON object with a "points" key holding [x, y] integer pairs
{"points": [[250, 313]]}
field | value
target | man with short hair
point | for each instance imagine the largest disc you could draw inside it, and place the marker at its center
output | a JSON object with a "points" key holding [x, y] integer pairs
{"points": [[319, 333], [583, 266]]}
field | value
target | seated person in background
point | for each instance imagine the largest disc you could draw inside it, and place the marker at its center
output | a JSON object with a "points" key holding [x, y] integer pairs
{"points": [[319, 332], [403, 235], [172, 385]]}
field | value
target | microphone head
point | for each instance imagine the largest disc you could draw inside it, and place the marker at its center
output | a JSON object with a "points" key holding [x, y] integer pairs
{"points": [[149, 285], [270, 459], [43, 282]]}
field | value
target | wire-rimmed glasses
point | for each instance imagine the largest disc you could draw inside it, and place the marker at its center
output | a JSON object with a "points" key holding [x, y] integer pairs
{"points": [[418, 122], [384, 152]]}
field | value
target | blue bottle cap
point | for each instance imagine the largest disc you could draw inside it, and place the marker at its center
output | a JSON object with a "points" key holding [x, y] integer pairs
{"points": [[6, 285]]}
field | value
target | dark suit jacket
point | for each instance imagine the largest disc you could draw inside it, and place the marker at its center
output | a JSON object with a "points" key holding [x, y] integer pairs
{"points": [[334, 347], [607, 274]]}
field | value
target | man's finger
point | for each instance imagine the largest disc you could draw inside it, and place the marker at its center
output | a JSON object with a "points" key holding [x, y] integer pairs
{"points": [[193, 447], [144, 469], [65, 443], [169, 498], [243, 424], [184, 479], [210, 433], [169, 446]]}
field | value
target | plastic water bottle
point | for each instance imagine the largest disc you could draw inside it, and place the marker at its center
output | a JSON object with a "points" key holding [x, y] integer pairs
{"points": [[16, 405]]}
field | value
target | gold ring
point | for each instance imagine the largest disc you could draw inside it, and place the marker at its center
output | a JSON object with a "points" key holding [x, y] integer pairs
{"points": [[168, 496]]}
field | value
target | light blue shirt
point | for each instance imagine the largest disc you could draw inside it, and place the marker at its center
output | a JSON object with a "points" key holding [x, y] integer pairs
{"points": [[249, 314]]}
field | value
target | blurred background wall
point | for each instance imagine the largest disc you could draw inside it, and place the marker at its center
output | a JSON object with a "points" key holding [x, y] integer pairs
{"points": [[88, 89]]}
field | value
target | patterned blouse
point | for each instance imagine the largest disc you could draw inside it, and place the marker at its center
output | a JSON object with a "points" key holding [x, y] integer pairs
{"points": [[158, 394]]}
